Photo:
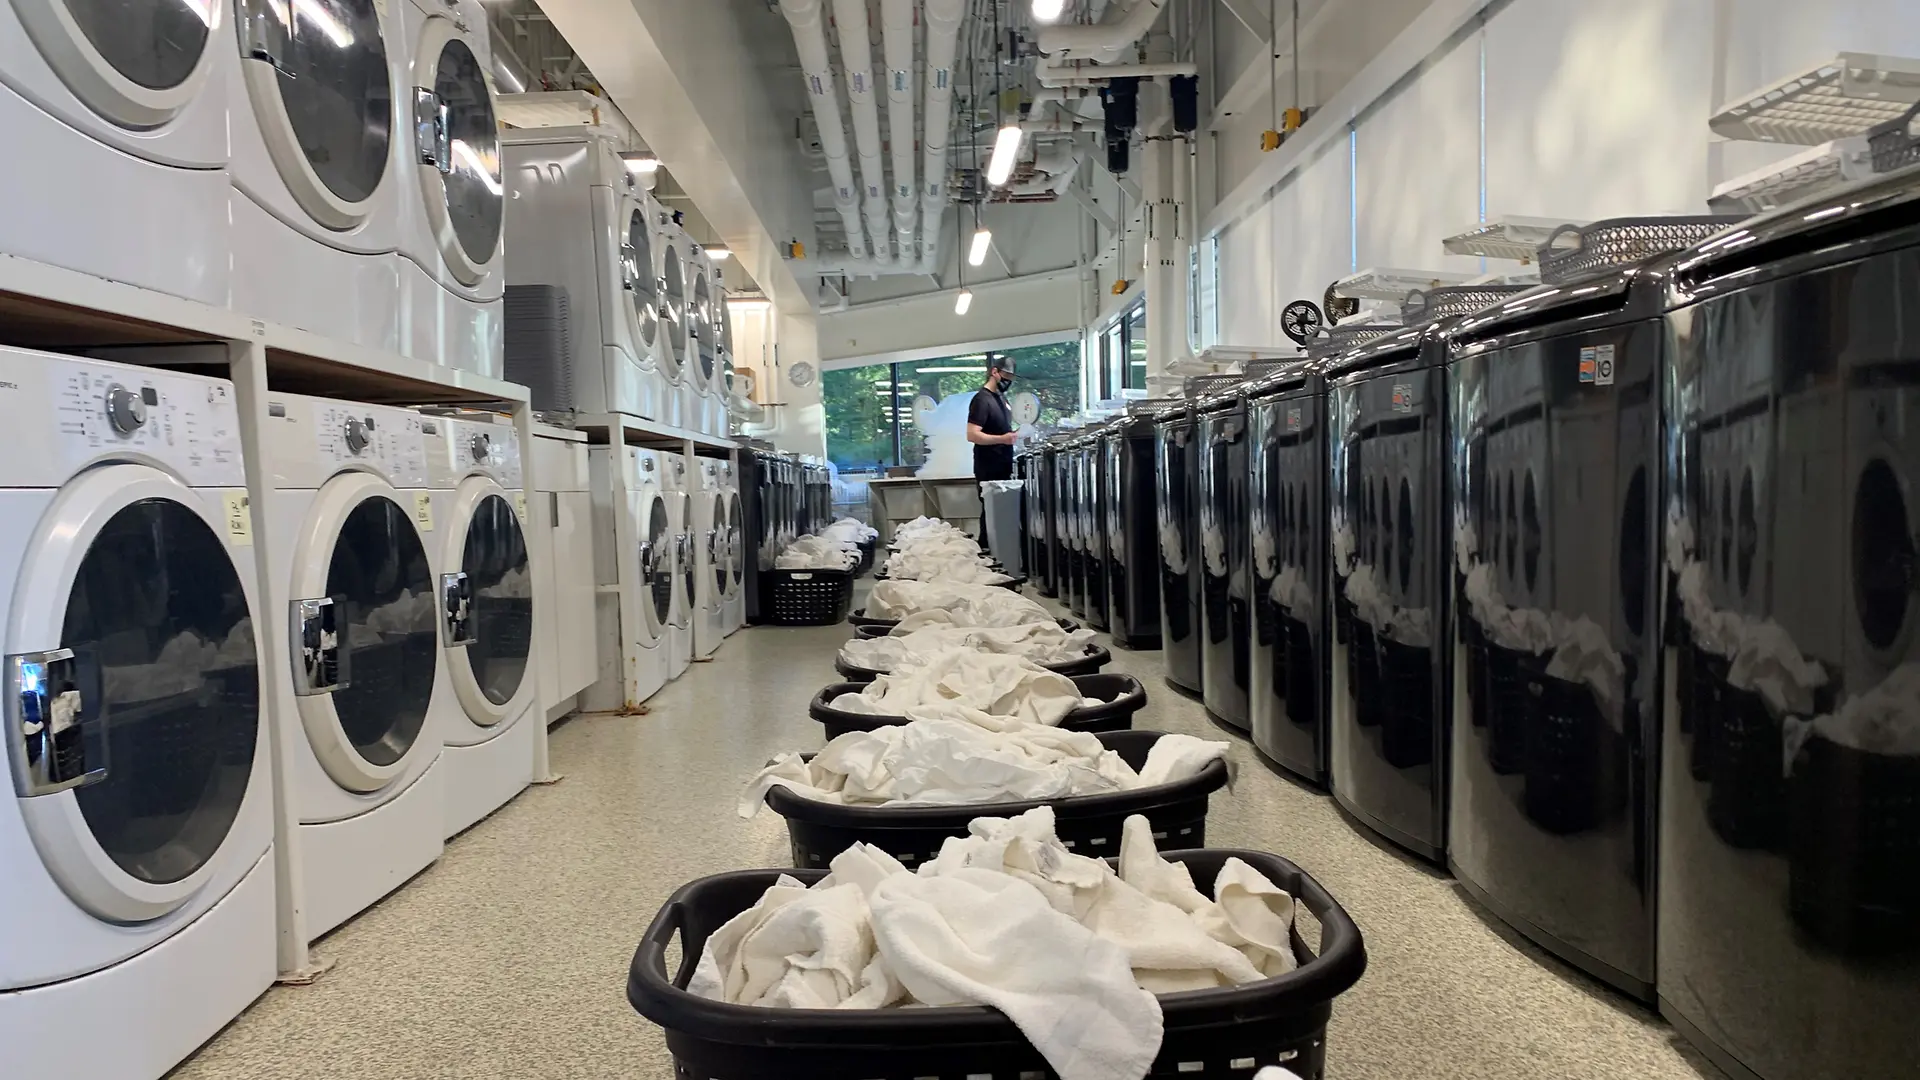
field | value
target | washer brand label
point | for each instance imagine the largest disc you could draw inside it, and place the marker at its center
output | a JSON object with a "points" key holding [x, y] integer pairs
{"points": [[423, 510], [239, 515], [1596, 365], [1403, 397]]}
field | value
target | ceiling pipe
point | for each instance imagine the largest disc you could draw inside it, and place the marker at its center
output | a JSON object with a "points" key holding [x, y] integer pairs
{"points": [[510, 75], [856, 52], [897, 31], [943, 19], [1063, 74], [1105, 41], [810, 39]]}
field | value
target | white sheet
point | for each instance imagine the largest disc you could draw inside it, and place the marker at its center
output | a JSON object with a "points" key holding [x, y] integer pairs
{"points": [[966, 605], [813, 552], [916, 639], [961, 684], [960, 567]]}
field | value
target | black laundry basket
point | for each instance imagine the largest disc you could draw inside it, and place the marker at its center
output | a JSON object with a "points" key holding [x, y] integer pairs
{"points": [[1096, 657], [808, 597], [1223, 1034], [1089, 824], [882, 627], [1122, 696], [867, 548]]}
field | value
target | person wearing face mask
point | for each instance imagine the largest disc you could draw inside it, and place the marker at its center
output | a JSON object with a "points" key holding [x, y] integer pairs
{"points": [[990, 423]]}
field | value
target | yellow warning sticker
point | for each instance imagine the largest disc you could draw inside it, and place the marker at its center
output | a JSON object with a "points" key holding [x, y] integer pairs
{"points": [[423, 510], [520, 506], [239, 518]]}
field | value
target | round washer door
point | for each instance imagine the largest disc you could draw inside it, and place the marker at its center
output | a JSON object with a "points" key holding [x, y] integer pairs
{"points": [[137, 67], [717, 548], [643, 288], [490, 678], [656, 565], [706, 336], [736, 545], [689, 566], [322, 93], [673, 307], [453, 110], [131, 641], [363, 585]]}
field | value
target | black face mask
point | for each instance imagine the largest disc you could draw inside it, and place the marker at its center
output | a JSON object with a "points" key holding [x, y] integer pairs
{"points": [[1006, 379]]}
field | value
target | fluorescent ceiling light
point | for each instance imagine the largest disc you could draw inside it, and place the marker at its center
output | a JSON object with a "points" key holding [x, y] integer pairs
{"points": [[639, 161], [982, 239], [950, 370], [965, 300], [1047, 11], [719, 253], [749, 303], [1006, 150]]}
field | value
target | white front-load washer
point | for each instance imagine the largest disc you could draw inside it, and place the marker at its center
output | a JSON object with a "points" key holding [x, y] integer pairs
{"points": [[709, 509], [116, 129], [635, 574], [733, 548], [320, 130], [479, 516], [352, 548], [136, 865], [453, 200], [580, 224], [709, 407], [677, 354], [677, 485]]}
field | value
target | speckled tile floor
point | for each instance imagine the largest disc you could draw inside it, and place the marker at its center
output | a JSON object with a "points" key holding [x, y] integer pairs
{"points": [[508, 958]]}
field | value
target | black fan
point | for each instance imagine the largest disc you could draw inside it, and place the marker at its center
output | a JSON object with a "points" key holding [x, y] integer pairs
{"points": [[1301, 321], [1339, 307]]}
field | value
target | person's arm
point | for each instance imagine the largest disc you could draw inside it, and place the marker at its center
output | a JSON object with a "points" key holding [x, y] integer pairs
{"points": [[981, 438]]}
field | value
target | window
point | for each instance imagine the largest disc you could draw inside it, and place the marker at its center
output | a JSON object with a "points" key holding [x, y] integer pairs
{"points": [[873, 412], [1135, 375], [1115, 371]]}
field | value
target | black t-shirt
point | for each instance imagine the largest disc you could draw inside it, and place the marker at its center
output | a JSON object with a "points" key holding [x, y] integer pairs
{"points": [[989, 410]]}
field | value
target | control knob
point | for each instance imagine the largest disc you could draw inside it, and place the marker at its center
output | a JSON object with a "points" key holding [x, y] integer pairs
{"points": [[126, 409], [356, 435], [481, 447]]}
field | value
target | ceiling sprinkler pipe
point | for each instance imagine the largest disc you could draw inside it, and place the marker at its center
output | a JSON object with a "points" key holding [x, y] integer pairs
{"points": [[1066, 75]]}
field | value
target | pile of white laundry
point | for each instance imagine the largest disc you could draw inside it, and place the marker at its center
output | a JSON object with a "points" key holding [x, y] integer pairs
{"points": [[817, 552], [1069, 950], [955, 763], [964, 605], [850, 531], [922, 528], [919, 637], [927, 549], [984, 689]]}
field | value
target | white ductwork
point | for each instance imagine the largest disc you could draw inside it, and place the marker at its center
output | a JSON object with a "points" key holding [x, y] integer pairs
{"points": [[810, 38], [1054, 165], [1102, 42], [856, 52], [896, 25], [943, 18], [1064, 73], [864, 267]]}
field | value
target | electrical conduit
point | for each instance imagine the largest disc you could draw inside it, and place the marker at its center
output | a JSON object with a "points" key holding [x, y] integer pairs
{"points": [[856, 52], [810, 38], [897, 29]]}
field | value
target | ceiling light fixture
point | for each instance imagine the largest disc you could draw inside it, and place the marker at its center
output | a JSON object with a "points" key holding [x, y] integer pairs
{"points": [[1006, 150], [962, 302], [1047, 11], [641, 162], [719, 253], [982, 239]]}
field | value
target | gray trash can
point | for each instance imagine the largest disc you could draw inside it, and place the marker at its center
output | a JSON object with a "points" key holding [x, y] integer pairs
{"points": [[1001, 499]]}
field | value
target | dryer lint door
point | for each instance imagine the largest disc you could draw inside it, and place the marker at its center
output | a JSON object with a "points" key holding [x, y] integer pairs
{"points": [[133, 682], [456, 149], [487, 605], [321, 87], [366, 645]]}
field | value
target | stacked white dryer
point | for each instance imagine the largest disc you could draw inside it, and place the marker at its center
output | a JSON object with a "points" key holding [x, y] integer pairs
{"points": [[352, 531], [673, 268], [712, 537], [677, 487], [453, 203], [636, 570], [709, 405], [479, 507], [580, 224], [136, 863]]}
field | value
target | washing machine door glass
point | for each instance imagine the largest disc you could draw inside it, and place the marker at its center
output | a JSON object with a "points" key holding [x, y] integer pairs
{"points": [[656, 563], [736, 530], [645, 288], [458, 147], [673, 305], [495, 562], [721, 555], [136, 65], [701, 313], [164, 663], [322, 90], [379, 576], [690, 563]]}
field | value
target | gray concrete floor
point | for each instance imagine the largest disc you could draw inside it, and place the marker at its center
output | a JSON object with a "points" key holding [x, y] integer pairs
{"points": [[508, 958]]}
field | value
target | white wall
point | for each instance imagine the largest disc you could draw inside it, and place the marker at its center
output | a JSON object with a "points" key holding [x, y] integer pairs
{"points": [[1589, 110], [1000, 310], [769, 344]]}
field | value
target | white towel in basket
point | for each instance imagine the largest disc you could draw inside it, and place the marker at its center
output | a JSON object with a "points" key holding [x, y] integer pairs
{"points": [[969, 605], [918, 637], [966, 685]]}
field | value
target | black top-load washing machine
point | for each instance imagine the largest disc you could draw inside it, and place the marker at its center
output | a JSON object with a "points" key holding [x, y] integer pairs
{"points": [[1133, 559], [1036, 476], [1066, 522], [1176, 477], [1287, 512], [1789, 800], [1554, 537], [1225, 587], [760, 508], [1092, 463]]}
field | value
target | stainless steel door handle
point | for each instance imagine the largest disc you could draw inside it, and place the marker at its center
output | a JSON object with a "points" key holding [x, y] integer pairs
{"points": [[47, 725], [456, 608]]}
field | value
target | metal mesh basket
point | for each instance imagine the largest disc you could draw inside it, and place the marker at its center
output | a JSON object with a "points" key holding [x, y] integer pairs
{"points": [[1341, 338], [1894, 144], [1574, 252], [1450, 301]]}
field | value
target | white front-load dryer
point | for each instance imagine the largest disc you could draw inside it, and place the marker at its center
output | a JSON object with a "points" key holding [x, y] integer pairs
{"points": [[452, 197], [677, 354], [677, 486], [710, 561], [635, 575], [116, 138], [352, 549], [320, 130], [709, 404], [733, 547], [580, 225], [136, 864], [479, 517]]}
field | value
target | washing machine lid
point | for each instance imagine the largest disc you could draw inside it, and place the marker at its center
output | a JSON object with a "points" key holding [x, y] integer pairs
{"points": [[656, 552], [487, 603], [322, 92], [133, 690], [366, 643], [138, 73], [636, 265], [457, 149]]}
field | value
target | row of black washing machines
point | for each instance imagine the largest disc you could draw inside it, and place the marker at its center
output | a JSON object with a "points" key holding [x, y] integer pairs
{"points": [[783, 497], [1607, 596]]}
